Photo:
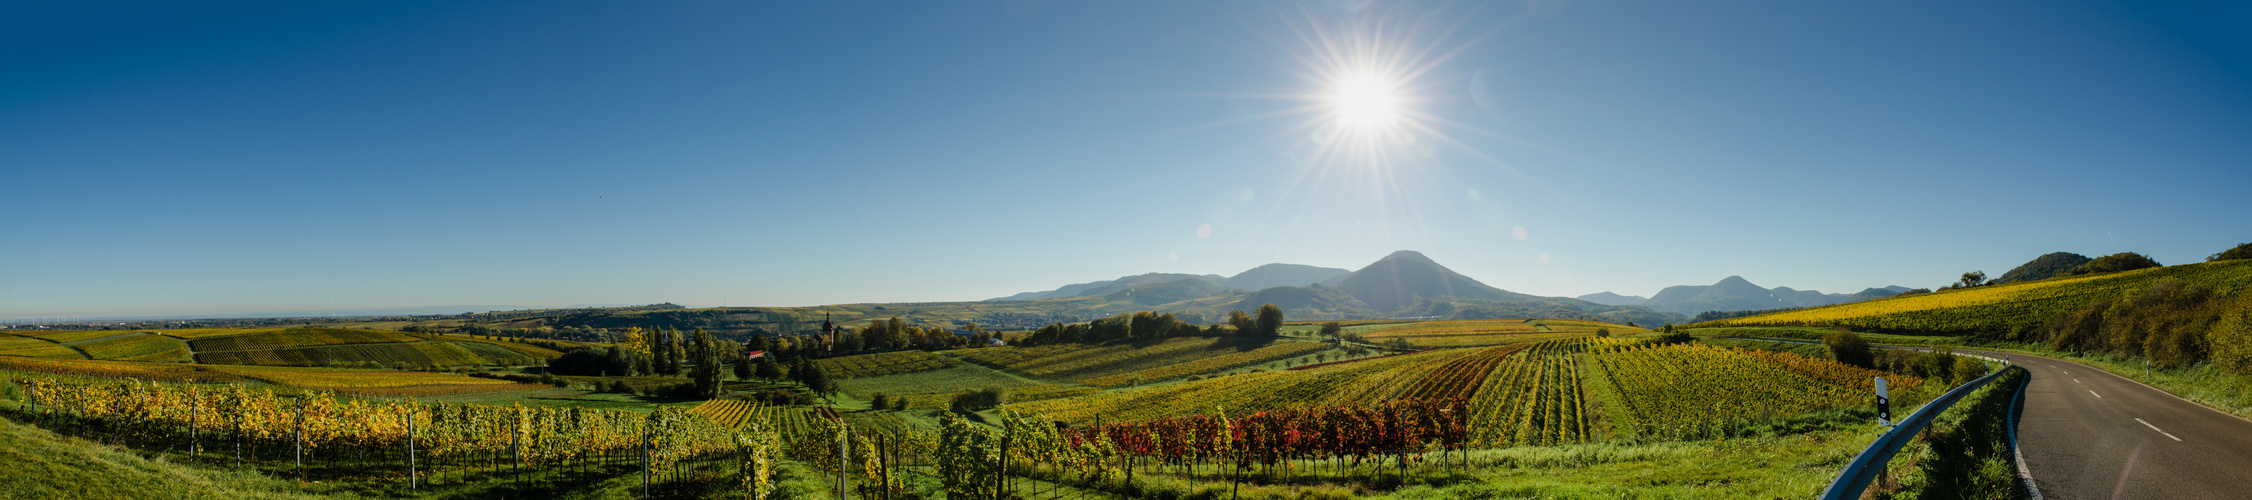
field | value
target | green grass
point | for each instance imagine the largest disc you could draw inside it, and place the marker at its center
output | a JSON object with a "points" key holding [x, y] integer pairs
{"points": [[43, 465]]}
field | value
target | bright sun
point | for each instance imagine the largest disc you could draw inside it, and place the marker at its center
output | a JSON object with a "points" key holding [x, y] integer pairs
{"points": [[1364, 101]]}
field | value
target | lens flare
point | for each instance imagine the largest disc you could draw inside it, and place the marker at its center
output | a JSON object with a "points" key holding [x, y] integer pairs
{"points": [[1364, 101]]}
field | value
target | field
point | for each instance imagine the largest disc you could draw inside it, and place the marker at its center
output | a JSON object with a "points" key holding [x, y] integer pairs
{"points": [[440, 354], [137, 347], [880, 364], [298, 337], [1999, 308], [1127, 363], [1371, 380], [950, 380], [168, 372], [1471, 333]]}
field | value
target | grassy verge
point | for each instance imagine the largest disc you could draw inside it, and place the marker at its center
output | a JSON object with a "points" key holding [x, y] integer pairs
{"points": [[1965, 453], [42, 465]]}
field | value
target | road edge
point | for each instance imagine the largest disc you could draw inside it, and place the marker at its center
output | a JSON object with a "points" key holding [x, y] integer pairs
{"points": [[2017, 403]]}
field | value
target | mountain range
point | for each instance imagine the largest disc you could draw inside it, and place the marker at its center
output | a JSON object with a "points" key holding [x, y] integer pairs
{"points": [[1734, 293], [1403, 284]]}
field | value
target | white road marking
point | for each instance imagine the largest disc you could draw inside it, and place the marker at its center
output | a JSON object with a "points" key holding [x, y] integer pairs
{"points": [[2075, 381], [2160, 431], [2098, 396]]}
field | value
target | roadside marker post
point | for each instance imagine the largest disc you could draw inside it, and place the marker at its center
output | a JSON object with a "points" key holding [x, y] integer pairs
{"points": [[1884, 404]]}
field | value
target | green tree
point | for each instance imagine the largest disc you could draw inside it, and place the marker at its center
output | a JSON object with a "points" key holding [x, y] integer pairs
{"points": [[1332, 329], [2243, 251], [2122, 261], [704, 355], [879, 403], [768, 369], [1243, 323], [1971, 279], [817, 380], [1849, 348], [742, 368], [1270, 320]]}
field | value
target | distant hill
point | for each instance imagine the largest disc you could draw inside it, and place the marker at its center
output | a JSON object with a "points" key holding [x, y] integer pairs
{"points": [[1395, 282], [2044, 267], [1150, 294], [1274, 275], [1876, 293], [1315, 301], [1734, 293], [1109, 286], [1613, 299]]}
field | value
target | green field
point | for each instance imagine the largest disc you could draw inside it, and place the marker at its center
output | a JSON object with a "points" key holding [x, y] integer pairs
{"points": [[880, 364], [299, 337], [137, 347], [441, 354]]}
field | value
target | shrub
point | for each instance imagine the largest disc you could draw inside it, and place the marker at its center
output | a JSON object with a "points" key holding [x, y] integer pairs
{"points": [[2122, 261], [2243, 251], [1849, 348], [2231, 336]]}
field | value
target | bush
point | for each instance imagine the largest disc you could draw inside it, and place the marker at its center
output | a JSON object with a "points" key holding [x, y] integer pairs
{"points": [[2231, 336], [2122, 261], [980, 399], [2243, 251], [1849, 348]]}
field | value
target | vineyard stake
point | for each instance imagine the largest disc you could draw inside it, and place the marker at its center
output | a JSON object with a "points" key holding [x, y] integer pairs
{"points": [[300, 439], [414, 472], [195, 403], [516, 455], [645, 460]]}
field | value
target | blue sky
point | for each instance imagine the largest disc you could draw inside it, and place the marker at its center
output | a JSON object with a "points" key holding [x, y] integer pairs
{"points": [[214, 158]]}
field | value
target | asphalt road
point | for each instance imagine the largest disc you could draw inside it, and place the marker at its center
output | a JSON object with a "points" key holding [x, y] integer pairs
{"points": [[2087, 434]]}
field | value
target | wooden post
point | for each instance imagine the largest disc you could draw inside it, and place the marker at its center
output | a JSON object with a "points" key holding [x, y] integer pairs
{"points": [[844, 439], [414, 472]]}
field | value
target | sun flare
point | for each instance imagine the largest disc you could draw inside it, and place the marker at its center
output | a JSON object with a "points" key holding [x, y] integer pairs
{"points": [[1364, 101]]}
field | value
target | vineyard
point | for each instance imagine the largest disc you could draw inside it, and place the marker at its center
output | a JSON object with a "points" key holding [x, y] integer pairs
{"points": [[2000, 308], [1361, 381], [1681, 391], [1456, 327], [298, 337], [361, 439], [440, 354], [1082, 415], [880, 364], [1284, 350], [137, 347], [1534, 398]]}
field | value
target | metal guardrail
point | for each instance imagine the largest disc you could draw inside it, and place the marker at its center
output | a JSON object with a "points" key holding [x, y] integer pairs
{"points": [[1872, 460]]}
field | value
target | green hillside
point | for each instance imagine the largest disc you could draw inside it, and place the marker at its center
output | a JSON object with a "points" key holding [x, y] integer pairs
{"points": [[2001, 310]]}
